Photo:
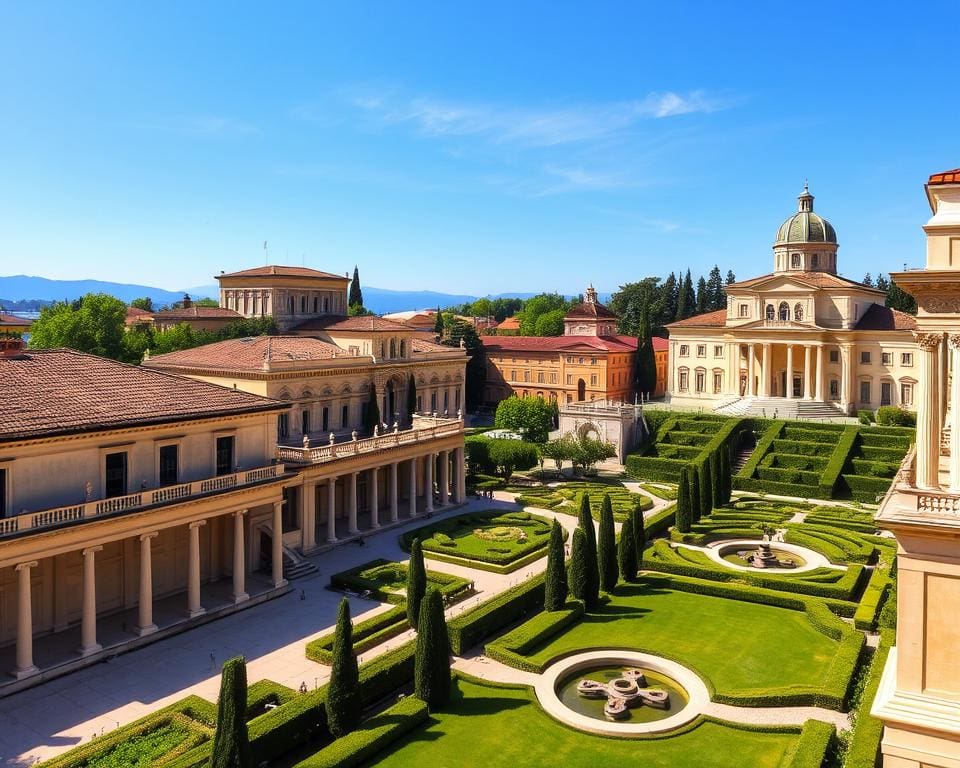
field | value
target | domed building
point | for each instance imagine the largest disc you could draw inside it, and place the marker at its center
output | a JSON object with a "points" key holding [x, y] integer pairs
{"points": [[801, 341]]}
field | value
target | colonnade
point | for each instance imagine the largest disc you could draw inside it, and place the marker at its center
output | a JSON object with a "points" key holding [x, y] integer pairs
{"points": [[813, 381], [937, 410]]}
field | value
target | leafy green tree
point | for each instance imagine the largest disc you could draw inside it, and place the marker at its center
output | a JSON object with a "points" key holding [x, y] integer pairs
{"points": [[416, 582], [431, 676], [532, 417], [882, 284], [343, 691], [627, 552], [93, 324], [579, 567], [897, 298], [231, 746], [476, 375], [558, 451], [510, 455], [694, 486], [358, 310], [639, 531], [867, 280], [371, 414], [411, 396], [633, 299], [684, 514], [136, 342], [588, 451], [145, 303], [607, 546], [555, 586], [549, 323], [592, 594], [539, 305], [356, 292]]}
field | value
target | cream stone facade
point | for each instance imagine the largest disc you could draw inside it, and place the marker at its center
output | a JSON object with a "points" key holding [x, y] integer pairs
{"points": [[802, 339], [919, 695]]}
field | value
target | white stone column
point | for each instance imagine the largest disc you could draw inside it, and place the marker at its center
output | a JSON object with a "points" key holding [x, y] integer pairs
{"points": [[428, 482], [308, 504], [461, 475], [807, 372], [239, 559], [394, 500], [145, 625], [954, 341], [194, 608], [845, 378], [751, 371], [928, 435], [276, 554], [821, 378], [444, 477], [352, 503], [788, 379], [374, 498], [332, 510], [88, 620], [413, 487], [25, 666], [765, 372]]}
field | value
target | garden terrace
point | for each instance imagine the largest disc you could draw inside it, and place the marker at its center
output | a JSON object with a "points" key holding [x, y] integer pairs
{"points": [[491, 540], [386, 580], [567, 496], [873, 462], [679, 439]]}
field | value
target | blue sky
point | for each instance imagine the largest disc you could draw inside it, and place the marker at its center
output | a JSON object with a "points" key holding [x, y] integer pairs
{"points": [[469, 148]]}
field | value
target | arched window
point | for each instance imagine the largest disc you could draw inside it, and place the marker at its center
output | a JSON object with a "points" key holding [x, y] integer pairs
{"points": [[798, 311], [326, 304], [784, 311], [795, 261], [403, 348], [771, 312], [393, 348], [290, 304]]}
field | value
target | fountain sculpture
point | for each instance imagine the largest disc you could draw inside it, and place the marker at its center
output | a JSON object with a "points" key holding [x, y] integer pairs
{"points": [[764, 557], [624, 693]]}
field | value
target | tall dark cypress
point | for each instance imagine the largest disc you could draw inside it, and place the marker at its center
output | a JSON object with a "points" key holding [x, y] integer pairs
{"points": [[627, 551], [356, 293], [684, 516], [579, 569], [590, 552], [646, 365], [693, 478], [639, 530], [416, 582], [555, 586], [411, 396], [431, 672], [607, 546], [706, 489], [716, 477], [231, 747], [343, 691]]}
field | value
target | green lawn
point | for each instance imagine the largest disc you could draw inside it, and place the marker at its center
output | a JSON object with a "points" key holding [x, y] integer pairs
{"points": [[739, 647], [495, 727]]}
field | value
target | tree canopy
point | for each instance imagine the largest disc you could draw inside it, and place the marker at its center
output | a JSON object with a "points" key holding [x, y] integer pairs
{"points": [[94, 324], [356, 292], [531, 417]]}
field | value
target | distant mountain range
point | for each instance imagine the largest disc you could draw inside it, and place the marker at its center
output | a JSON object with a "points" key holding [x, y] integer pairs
{"points": [[19, 288]]}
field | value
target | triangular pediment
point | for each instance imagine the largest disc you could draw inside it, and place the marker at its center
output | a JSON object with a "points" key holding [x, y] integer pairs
{"points": [[781, 284]]}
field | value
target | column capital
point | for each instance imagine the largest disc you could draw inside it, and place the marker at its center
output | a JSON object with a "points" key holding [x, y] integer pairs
{"points": [[148, 536], [954, 340], [26, 566], [198, 523], [239, 512], [928, 341], [91, 550]]}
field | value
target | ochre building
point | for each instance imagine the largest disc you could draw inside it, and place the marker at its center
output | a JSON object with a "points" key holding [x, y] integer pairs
{"points": [[800, 340]]}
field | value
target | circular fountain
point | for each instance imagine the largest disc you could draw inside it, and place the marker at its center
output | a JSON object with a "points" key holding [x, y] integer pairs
{"points": [[777, 557], [621, 693]]}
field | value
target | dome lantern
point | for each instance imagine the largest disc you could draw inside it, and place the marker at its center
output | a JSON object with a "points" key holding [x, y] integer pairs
{"points": [[805, 242]]}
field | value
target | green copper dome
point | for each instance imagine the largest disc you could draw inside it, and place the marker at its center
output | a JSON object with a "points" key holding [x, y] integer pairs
{"points": [[805, 226]]}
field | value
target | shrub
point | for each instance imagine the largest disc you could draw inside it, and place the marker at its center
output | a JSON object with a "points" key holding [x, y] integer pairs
{"points": [[638, 530], [684, 513], [343, 696], [431, 674], [509, 455], [864, 742], [579, 586], [869, 609], [693, 489], [366, 634], [810, 749], [231, 747], [555, 585], [828, 480], [607, 547], [865, 417], [469, 628], [892, 416], [513, 647]]}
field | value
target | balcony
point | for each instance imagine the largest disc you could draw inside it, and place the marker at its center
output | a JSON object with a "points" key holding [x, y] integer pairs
{"points": [[89, 510], [906, 500], [424, 428]]}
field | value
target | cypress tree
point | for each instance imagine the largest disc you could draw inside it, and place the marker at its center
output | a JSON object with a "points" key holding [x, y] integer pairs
{"points": [[371, 416], [607, 547], [438, 323], [716, 477], [627, 551], [578, 565], [231, 747], [343, 691], [411, 396], [646, 373], [706, 489], [590, 552], [683, 502], [432, 663], [727, 475], [555, 587], [693, 483], [416, 582], [356, 294], [639, 530]]}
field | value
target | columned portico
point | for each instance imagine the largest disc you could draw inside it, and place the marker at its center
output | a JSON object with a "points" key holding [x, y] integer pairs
{"points": [[444, 477], [374, 500], [751, 371], [145, 625], [413, 487], [428, 483], [788, 379], [394, 493], [88, 621], [309, 523], [276, 542], [352, 504], [25, 666], [239, 559], [765, 372], [194, 608], [332, 510], [954, 342], [928, 428]]}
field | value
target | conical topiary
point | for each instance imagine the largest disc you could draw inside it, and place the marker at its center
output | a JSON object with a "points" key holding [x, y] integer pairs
{"points": [[578, 565], [683, 502], [592, 595], [431, 675], [627, 551], [416, 582], [639, 530], [607, 546], [343, 691], [555, 586], [231, 747]]}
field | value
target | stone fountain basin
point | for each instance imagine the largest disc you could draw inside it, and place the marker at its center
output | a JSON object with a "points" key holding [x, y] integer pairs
{"points": [[546, 691], [813, 560]]}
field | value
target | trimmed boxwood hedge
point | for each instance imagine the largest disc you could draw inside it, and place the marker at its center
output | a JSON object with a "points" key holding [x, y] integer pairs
{"points": [[352, 579], [869, 609], [865, 740], [512, 648], [469, 628], [828, 480], [371, 737], [366, 634], [864, 489], [798, 448], [770, 434], [654, 468], [810, 750]]}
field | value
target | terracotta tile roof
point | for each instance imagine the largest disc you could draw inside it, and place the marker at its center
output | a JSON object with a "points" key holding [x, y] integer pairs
{"points": [[351, 324], [281, 271], [716, 319], [198, 313], [816, 279], [559, 343], [136, 312], [881, 318], [6, 319], [422, 345], [254, 353], [510, 324], [946, 177], [660, 344], [59, 391], [589, 309]]}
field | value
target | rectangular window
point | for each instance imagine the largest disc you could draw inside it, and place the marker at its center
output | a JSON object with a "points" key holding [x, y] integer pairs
{"points": [[526, 376], [701, 381], [886, 358], [580, 360], [834, 389], [701, 350], [419, 403], [864, 391], [717, 382], [345, 416], [168, 464], [433, 402], [684, 350], [834, 356], [684, 380], [291, 504], [304, 422], [593, 361], [906, 358], [886, 388], [283, 426], [115, 474], [864, 359], [906, 394], [3, 493], [593, 379], [718, 350], [325, 419], [744, 310], [553, 378], [225, 455], [569, 378], [539, 377], [513, 375]]}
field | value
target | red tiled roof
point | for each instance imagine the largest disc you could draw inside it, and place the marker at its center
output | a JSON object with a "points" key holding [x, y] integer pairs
{"points": [[816, 279], [510, 324], [133, 312], [254, 353], [6, 319], [422, 345], [946, 177], [60, 391], [198, 313], [351, 324], [281, 271], [716, 319], [560, 343], [881, 318], [589, 309], [660, 344]]}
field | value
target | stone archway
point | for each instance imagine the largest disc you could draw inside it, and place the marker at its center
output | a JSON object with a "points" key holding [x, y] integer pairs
{"points": [[581, 390]]}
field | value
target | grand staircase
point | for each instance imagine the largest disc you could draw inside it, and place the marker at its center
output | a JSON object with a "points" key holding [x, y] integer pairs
{"points": [[295, 566], [782, 407]]}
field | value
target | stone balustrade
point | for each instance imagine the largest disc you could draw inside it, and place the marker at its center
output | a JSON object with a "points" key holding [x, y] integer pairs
{"points": [[28, 521]]}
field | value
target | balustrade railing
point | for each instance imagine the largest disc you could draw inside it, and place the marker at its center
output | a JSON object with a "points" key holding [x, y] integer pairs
{"points": [[28, 521]]}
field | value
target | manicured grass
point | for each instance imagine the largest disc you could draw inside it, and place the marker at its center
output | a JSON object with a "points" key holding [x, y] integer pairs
{"points": [[503, 727], [143, 749], [568, 496], [669, 494], [741, 648]]}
